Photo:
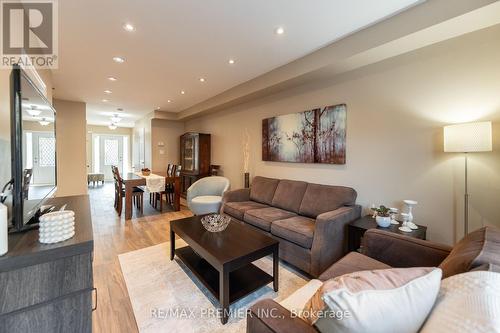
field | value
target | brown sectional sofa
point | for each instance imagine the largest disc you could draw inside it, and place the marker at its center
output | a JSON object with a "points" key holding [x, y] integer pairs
{"points": [[480, 250], [310, 220]]}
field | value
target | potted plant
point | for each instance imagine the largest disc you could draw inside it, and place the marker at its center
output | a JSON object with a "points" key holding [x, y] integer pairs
{"points": [[382, 216]]}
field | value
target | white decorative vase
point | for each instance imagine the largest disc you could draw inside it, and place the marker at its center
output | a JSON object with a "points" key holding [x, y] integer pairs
{"points": [[383, 221], [56, 227]]}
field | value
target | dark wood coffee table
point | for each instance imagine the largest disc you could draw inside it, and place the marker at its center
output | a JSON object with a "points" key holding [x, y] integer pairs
{"points": [[222, 261]]}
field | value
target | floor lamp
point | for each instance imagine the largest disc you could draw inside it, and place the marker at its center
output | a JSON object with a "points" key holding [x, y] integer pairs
{"points": [[467, 138]]}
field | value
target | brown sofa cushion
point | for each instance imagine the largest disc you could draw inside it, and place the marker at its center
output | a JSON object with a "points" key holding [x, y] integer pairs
{"points": [[238, 209], [289, 194], [352, 262], [297, 229], [480, 247], [267, 316], [319, 199], [263, 217], [262, 189]]}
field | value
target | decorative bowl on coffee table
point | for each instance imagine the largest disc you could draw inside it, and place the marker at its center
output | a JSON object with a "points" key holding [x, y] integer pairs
{"points": [[215, 222]]}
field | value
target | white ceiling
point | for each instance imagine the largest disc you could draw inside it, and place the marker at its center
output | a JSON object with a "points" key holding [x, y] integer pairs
{"points": [[178, 41]]}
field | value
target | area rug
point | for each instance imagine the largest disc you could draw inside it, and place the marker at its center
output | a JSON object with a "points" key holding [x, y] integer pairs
{"points": [[167, 297]]}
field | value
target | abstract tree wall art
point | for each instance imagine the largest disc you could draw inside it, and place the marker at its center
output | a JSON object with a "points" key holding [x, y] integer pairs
{"points": [[314, 136]]}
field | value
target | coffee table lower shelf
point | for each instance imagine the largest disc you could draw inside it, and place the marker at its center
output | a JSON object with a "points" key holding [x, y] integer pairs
{"points": [[242, 281]]}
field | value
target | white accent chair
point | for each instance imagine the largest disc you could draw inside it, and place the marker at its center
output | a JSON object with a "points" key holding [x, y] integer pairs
{"points": [[205, 195]]}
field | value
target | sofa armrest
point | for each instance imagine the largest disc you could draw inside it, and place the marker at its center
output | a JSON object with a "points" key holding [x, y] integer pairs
{"points": [[242, 194], [330, 237], [403, 251], [267, 316]]}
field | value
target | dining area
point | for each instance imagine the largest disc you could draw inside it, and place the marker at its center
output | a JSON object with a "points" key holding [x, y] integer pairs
{"points": [[162, 188]]}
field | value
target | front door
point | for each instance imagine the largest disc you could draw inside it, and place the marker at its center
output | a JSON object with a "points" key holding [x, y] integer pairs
{"points": [[111, 153], [44, 162]]}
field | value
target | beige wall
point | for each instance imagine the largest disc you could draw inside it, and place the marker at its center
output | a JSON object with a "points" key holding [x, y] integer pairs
{"points": [[71, 148], [105, 130], [142, 129], [157, 131], [396, 110], [168, 133]]}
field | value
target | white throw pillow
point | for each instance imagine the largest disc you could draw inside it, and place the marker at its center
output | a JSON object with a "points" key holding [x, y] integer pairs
{"points": [[389, 300], [468, 302]]}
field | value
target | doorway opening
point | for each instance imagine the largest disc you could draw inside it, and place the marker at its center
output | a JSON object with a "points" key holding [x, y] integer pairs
{"points": [[108, 150]]}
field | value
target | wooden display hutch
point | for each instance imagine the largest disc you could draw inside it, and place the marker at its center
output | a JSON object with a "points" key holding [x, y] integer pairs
{"points": [[195, 159]]}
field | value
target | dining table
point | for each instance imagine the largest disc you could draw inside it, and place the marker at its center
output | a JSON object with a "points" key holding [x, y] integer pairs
{"points": [[131, 180]]}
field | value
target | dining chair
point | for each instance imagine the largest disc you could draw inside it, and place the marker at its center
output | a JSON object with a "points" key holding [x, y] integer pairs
{"points": [[27, 174], [172, 170], [152, 196], [137, 193], [170, 188]]}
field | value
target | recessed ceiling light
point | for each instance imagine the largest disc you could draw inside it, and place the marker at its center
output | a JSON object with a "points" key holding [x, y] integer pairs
{"points": [[128, 27], [169, 101], [105, 100], [202, 79], [158, 108], [280, 31], [231, 61], [111, 78], [118, 60], [107, 92], [182, 92]]}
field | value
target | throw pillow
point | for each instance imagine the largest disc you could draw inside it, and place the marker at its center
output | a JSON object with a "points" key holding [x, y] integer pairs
{"points": [[386, 300], [477, 248], [468, 302]]}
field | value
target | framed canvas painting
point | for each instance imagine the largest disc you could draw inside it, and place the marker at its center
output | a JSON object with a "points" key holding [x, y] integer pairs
{"points": [[314, 136]]}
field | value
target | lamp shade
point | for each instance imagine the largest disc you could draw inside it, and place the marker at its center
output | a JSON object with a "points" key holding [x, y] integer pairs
{"points": [[469, 137]]}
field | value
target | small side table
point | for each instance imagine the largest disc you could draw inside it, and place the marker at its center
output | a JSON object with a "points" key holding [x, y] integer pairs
{"points": [[357, 229]]}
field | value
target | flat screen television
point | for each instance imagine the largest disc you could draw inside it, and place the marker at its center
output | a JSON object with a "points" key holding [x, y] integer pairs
{"points": [[33, 150]]}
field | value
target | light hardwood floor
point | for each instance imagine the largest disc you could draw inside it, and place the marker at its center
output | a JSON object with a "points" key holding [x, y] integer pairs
{"points": [[113, 236]]}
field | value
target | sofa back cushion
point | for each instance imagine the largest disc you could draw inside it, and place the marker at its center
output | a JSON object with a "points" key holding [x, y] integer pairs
{"points": [[263, 189], [480, 247], [319, 199], [289, 195]]}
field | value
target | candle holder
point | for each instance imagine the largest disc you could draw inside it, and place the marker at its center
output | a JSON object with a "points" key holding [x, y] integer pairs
{"points": [[410, 204], [404, 226]]}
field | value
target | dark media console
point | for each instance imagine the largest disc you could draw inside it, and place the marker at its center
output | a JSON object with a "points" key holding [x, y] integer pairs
{"points": [[49, 287]]}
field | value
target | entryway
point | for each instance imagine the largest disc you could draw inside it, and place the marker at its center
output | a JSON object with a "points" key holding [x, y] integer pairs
{"points": [[108, 150], [40, 150]]}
